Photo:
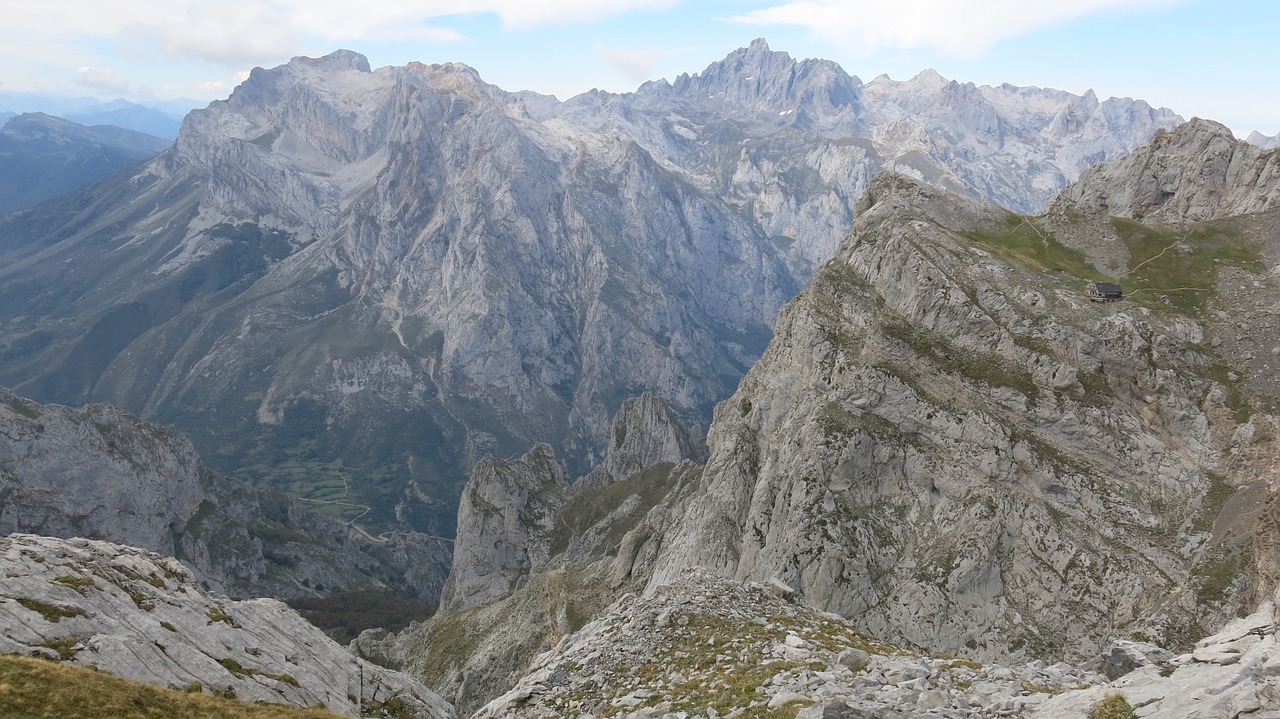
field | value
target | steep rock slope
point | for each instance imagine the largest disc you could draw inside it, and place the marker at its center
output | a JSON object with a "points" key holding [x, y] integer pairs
{"points": [[98, 472], [1197, 172], [947, 442], [42, 157], [536, 557], [702, 644], [459, 281], [142, 616], [349, 280]]}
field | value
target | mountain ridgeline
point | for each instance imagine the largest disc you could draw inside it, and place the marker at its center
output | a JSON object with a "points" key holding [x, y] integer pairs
{"points": [[349, 284], [946, 442]]}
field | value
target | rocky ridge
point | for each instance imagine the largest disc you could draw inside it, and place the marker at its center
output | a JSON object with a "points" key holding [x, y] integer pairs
{"points": [[1263, 141], [535, 556], [101, 473], [390, 274], [959, 451], [142, 616], [705, 647], [1198, 172]]}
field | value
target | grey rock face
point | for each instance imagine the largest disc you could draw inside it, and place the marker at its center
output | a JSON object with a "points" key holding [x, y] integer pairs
{"points": [[502, 508], [142, 616], [536, 557], [1197, 172], [964, 453], [1233, 673], [101, 473], [399, 272], [645, 433], [1125, 656]]}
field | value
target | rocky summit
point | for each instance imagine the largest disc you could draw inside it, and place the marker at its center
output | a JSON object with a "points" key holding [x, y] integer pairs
{"points": [[701, 646], [142, 616], [343, 281]]}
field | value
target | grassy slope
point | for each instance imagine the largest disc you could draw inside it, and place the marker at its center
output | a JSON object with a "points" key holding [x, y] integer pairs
{"points": [[35, 689]]}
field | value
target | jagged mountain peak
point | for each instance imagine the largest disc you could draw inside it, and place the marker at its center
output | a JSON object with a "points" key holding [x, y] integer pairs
{"points": [[1197, 171], [1269, 142], [770, 79]]}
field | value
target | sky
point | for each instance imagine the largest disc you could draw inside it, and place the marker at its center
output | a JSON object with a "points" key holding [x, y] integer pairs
{"points": [[1206, 58]]}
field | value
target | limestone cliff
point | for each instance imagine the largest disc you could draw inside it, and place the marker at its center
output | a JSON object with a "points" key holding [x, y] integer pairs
{"points": [[144, 617], [1198, 171], [535, 557], [950, 444]]}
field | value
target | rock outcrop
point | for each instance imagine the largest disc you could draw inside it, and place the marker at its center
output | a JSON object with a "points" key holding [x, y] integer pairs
{"points": [[950, 444], [507, 506], [703, 646], [535, 557], [142, 616], [645, 433], [1198, 171], [101, 473]]}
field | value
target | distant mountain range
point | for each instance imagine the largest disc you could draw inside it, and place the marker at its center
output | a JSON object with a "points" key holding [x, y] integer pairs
{"points": [[42, 157], [161, 118], [389, 275]]}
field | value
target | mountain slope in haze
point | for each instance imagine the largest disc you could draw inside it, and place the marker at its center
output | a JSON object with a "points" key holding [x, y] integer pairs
{"points": [[342, 279], [129, 116], [42, 157], [97, 472]]}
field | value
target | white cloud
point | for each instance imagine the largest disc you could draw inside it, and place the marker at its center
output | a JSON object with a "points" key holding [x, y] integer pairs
{"points": [[239, 32], [960, 28], [102, 79], [636, 65]]}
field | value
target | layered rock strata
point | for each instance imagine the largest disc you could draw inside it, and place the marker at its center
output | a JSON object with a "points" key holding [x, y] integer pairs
{"points": [[144, 617]]}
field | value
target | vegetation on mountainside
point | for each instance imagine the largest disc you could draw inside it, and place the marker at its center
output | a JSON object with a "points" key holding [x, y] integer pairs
{"points": [[343, 615], [1114, 706], [1023, 242], [588, 508], [1178, 267], [37, 689]]}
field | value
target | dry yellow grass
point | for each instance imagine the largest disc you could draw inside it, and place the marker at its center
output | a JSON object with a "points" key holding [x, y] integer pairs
{"points": [[35, 689]]}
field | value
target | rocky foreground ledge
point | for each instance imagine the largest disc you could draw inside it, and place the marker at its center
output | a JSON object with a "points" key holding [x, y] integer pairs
{"points": [[142, 616], [706, 647]]}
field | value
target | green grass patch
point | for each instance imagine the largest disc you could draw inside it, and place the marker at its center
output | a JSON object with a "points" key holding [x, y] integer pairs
{"points": [[81, 584], [218, 614], [1021, 241], [52, 613], [984, 368], [1215, 575], [590, 507], [1113, 706], [1178, 268], [838, 424], [34, 689]]}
